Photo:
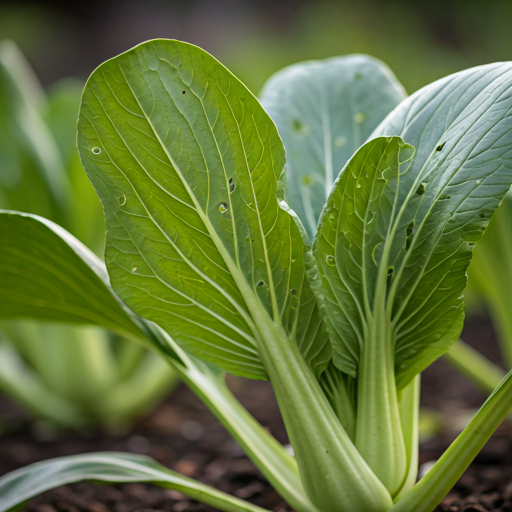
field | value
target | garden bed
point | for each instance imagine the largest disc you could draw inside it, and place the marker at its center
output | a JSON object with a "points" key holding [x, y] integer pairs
{"points": [[183, 435]]}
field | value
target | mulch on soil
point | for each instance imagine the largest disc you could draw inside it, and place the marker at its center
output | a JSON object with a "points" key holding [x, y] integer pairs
{"points": [[183, 435]]}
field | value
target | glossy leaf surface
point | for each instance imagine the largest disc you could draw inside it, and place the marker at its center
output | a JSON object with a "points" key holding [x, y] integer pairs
{"points": [[186, 162], [324, 111]]}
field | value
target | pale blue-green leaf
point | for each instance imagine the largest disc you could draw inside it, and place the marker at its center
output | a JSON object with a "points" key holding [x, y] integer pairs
{"points": [[324, 110], [186, 162], [108, 467]]}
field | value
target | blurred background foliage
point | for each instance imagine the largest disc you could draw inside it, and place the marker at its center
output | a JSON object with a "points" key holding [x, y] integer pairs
{"points": [[420, 41]]}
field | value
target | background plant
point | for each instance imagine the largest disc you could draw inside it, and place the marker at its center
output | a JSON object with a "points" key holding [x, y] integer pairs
{"points": [[201, 242], [67, 375]]}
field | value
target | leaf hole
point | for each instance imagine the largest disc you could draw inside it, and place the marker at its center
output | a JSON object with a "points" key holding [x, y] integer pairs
{"points": [[330, 260], [96, 150], [293, 291], [260, 283], [389, 276], [122, 200], [183, 92], [441, 146], [421, 189], [358, 76], [223, 207], [482, 215], [134, 269], [231, 185]]}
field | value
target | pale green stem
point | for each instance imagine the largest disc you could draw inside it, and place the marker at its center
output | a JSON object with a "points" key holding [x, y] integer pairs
{"points": [[379, 437], [409, 404], [475, 366], [268, 455], [18, 381], [334, 475], [433, 487]]}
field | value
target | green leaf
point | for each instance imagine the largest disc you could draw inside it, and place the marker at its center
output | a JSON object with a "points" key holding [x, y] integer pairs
{"points": [[47, 274], [351, 238], [33, 177], [424, 220], [324, 110], [186, 162], [108, 467]]}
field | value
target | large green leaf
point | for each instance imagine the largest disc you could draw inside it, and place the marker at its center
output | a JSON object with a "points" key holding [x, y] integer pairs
{"points": [[186, 162], [109, 467], [47, 274], [324, 110], [413, 228]]}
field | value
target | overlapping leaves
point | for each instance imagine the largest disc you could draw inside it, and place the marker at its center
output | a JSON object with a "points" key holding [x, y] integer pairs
{"points": [[186, 162], [434, 213], [324, 111]]}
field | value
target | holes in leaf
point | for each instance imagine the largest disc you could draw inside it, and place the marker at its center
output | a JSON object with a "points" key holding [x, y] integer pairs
{"points": [[440, 147], [330, 260], [231, 185], [358, 76], [223, 207], [122, 200], [482, 215], [260, 283], [297, 125], [389, 276], [293, 291], [183, 92], [421, 189], [134, 269], [409, 235], [96, 151]]}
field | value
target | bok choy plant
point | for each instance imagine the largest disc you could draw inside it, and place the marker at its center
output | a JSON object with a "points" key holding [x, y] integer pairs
{"points": [[71, 377], [220, 265]]}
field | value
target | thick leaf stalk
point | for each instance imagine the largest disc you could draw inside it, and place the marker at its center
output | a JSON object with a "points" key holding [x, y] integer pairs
{"points": [[334, 474]]}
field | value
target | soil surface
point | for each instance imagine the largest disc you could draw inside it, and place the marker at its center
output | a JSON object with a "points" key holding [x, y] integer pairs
{"points": [[183, 435]]}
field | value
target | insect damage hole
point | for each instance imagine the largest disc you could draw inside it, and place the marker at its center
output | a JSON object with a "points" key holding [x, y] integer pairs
{"points": [[389, 276], [96, 150], [421, 189], [231, 183], [409, 235], [440, 147]]}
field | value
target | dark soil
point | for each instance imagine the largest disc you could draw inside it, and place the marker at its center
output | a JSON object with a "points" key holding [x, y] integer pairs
{"points": [[182, 434]]}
